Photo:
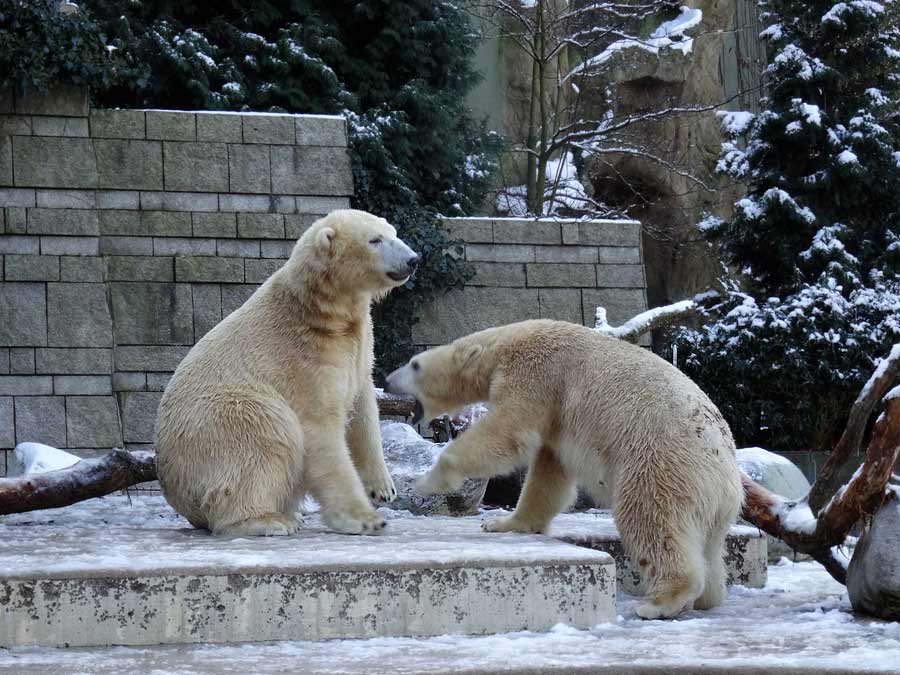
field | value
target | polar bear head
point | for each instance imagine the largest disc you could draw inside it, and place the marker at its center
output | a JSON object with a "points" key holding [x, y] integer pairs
{"points": [[444, 379], [358, 251]]}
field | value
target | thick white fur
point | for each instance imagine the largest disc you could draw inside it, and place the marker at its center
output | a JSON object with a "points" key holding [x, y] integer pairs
{"points": [[585, 409], [277, 400]]}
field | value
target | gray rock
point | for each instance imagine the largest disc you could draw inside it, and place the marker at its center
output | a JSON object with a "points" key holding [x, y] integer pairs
{"points": [[408, 456], [24, 310], [92, 422], [873, 578], [152, 313], [78, 316]]}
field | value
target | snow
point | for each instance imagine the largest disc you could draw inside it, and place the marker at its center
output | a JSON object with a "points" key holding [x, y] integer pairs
{"points": [[736, 123], [800, 620], [797, 517], [760, 457], [880, 371], [836, 14], [641, 323], [40, 458], [893, 393], [847, 157]]}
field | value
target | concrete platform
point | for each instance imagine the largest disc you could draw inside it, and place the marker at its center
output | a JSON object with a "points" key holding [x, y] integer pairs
{"points": [[104, 573]]}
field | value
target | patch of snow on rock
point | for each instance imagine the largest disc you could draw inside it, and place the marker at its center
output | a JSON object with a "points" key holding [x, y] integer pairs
{"points": [[40, 458]]}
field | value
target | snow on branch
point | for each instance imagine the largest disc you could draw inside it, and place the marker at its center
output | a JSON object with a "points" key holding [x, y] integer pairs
{"points": [[634, 328]]}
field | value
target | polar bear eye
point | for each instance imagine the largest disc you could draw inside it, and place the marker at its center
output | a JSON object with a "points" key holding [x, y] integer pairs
{"points": [[415, 365], [376, 240]]}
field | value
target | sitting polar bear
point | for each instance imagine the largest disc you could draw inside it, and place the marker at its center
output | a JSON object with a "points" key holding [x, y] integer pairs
{"points": [[277, 400], [585, 409]]}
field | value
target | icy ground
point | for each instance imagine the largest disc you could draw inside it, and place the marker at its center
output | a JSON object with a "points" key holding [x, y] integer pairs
{"points": [[801, 620]]}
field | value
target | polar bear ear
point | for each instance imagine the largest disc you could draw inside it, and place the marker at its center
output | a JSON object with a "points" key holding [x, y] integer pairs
{"points": [[465, 355], [325, 238]]}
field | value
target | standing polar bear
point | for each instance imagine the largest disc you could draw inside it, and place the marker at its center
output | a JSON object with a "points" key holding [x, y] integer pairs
{"points": [[585, 409], [277, 400]]}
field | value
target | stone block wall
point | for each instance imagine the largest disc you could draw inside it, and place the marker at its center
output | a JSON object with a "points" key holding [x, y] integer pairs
{"points": [[125, 235], [539, 269]]}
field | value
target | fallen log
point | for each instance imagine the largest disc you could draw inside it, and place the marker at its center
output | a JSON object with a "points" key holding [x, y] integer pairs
{"points": [[394, 405], [86, 479]]}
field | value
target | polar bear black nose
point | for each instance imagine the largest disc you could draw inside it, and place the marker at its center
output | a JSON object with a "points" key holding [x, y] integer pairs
{"points": [[413, 263]]}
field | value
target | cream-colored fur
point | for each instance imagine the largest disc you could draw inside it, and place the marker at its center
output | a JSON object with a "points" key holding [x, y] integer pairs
{"points": [[585, 409], [277, 400]]}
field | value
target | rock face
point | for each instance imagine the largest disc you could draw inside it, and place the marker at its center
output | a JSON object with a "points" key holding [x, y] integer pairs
{"points": [[873, 578], [408, 456], [781, 476]]}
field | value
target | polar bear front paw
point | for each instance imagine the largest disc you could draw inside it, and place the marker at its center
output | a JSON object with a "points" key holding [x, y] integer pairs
{"points": [[438, 481], [509, 524], [356, 523], [380, 486]]}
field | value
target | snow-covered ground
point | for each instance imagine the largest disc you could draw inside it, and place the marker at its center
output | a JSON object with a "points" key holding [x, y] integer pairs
{"points": [[801, 619]]}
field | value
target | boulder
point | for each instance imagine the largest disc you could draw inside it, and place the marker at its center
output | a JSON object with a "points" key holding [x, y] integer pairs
{"points": [[781, 476], [873, 577], [408, 456]]}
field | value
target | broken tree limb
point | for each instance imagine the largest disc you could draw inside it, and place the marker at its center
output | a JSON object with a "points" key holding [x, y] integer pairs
{"points": [[851, 440], [794, 522], [394, 405], [658, 317], [86, 479]]}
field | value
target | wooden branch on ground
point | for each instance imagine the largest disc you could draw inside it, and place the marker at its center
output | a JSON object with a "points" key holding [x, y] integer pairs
{"points": [[851, 440], [86, 479], [395, 405]]}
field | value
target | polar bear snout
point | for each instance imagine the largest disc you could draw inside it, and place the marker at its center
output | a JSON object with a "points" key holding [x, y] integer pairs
{"points": [[401, 381], [400, 261]]}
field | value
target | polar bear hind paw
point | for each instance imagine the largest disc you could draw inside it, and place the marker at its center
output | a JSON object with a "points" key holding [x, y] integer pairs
{"points": [[509, 524], [268, 525], [347, 523]]}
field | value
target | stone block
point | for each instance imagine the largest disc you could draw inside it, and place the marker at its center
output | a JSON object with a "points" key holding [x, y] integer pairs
{"points": [[139, 415], [81, 385], [277, 248], [32, 268], [166, 223], [140, 268], [460, 312], [62, 99], [260, 225], [171, 125], [273, 129], [151, 201], [17, 245], [6, 162], [620, 276], [78, 316], [23, 307], [129, 165], [321, 205], [73, 361], [173, 246], [498, 274], [118, 124], [74, 127], [561, 275], [469, 230], [41, 161], [16, 220], [18, 197], [7, 428], [561, 304], [246, 203], [85, 269], [207, 308], [189, 201], [126, 246], [499, 253], [610, 255], [4, 361], [520, 231], [21, 361], [70, 246], [565, 254], [323, 130], [92, 422], [621, 303], [237, 248], [235, 295], [123, 223], [118, 199], [311, 170], [152, 313], [214, 225], [66, 199], [284, 203], [158, 381], [150, 358], [602, 233], [15, 125], [25, 385], [129, 381], [209, 269], [296, 224], [196, 167], [248, 167], [41, 419], [221, 127], [257, 271], [77, 222]]}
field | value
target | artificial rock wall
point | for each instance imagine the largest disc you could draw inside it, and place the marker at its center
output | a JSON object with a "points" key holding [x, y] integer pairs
{"points": [[125, 235]]}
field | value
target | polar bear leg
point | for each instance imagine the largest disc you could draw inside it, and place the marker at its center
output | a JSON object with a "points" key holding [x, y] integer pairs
{"points": [[714, 589], [547, 491], [364, 439], [331, 478]]}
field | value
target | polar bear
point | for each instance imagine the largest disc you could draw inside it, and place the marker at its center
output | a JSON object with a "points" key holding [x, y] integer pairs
{"points": [[585, 409], [277, 400]]}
